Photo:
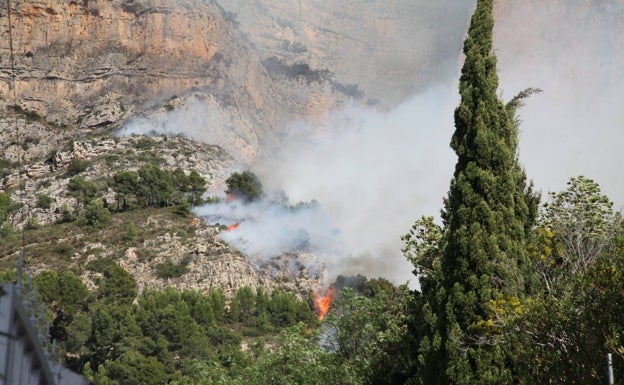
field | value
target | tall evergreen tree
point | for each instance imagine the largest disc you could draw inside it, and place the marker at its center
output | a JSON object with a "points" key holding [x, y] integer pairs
{"points": [[487, 214]]}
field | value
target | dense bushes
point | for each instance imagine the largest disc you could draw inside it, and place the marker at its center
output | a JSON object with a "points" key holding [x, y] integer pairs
{"points": [[115, 336], [151, 186], [244, 186]]}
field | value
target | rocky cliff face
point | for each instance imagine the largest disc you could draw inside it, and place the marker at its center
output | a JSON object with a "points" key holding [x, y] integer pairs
{"points": [[389, 50], [90, 64], [80, 69]]}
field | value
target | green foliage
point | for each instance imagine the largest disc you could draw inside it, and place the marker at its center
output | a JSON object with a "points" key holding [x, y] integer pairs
{"points": [[44, 201], [132, 367], [32, 223], [6, 206], [579, 256], [118, 286], [583, 221], [131, 232], [7, 233], [5, 167], [152, 186], [200, 308], [217, 301], [82, 190], [243, 306], [285, 310], [297, 359], [47, 283], [244, 185], [183, 209], [76, 167], [166, 315], [155, 187], [144, 143], [168, 269], [73, 294], [168, 336], [197, 187], [372, 340], [124, 184], [96, 215], [480, 253], [8, 276], [422, 249]]}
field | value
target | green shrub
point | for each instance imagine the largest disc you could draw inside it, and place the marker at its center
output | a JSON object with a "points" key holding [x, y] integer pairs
{"points": [[32, 224], [131, 233], [44, 201], [244, 185], [144, 143], [169, 269], [63, 249], [96, 215], [76, 167]]}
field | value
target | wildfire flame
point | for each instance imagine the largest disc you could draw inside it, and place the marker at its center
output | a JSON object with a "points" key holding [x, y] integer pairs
{"points": [[233, 227], [230, 197], [322, 301]]}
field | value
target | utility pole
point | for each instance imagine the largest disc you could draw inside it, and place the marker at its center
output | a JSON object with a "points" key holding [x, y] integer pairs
{"points": [[610, 366]]}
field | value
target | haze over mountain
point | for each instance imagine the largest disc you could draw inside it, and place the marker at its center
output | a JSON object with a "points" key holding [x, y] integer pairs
{"points": [[349, 104]]}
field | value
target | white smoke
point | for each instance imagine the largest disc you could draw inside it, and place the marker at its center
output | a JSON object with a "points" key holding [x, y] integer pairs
{"points": [[267, 228], [372, 173], [204, 120], [369, 176]]}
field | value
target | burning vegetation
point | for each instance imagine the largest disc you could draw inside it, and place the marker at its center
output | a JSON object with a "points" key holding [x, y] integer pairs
{"points": [[323, 299]]}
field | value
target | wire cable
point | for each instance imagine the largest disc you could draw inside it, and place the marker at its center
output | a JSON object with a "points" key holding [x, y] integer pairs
{"points": [[18, 142]]}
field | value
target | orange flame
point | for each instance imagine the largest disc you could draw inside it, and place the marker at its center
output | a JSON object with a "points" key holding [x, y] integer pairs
{"points": [[233, 227], [322, 302], [230, 197]]}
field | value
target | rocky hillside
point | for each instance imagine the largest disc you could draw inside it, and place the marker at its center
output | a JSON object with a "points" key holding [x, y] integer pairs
{"points": [[92, 64], [159, 246], [238, 72], [78, 71]]}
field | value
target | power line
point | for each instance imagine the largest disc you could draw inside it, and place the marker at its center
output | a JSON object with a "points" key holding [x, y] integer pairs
{"points": [[15, 125]]}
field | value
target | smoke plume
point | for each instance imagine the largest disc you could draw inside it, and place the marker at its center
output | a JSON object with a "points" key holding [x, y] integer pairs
{"points": [[374, 173]]}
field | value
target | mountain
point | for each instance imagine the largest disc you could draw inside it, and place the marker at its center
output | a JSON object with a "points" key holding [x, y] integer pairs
{"points": [[226, 80]]}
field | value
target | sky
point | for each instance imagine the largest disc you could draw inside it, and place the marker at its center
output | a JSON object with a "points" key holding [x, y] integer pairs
{"points": [[374, 173], [574, 52]]}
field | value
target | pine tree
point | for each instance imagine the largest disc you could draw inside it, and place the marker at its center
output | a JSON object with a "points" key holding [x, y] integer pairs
{"points": [[487, 214]]}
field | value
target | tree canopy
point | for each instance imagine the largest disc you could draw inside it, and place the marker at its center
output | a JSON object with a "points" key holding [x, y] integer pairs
{"points": [[482, 251], [244, 185]]}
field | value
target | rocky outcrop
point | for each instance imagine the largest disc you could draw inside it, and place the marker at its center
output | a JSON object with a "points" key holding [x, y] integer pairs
{"points": [[104, 157], [72, 57], [92, 64], [212, 263]]}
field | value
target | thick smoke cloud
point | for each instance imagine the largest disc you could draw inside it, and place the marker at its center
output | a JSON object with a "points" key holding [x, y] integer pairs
{"points": [[268, 228], [373, 174]]}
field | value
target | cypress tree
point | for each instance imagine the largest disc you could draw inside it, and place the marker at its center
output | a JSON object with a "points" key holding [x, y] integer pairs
{"points": [[486, 218]]}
